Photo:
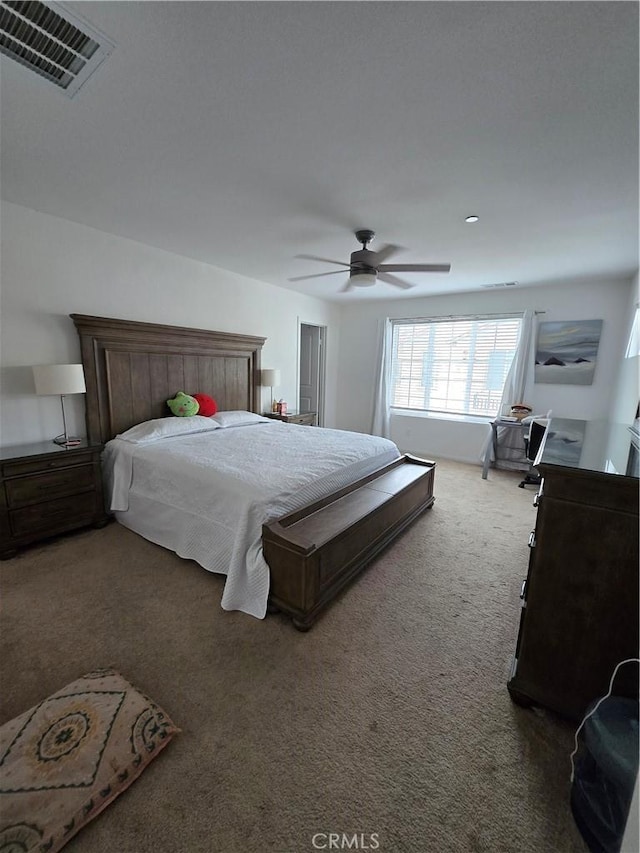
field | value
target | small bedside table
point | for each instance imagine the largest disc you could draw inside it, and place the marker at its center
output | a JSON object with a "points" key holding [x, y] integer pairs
{"points": [[303, 418], [46, 490]]}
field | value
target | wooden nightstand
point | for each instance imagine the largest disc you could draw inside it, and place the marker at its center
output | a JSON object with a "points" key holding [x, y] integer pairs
{"points": [[303, 418], [46, 490]]}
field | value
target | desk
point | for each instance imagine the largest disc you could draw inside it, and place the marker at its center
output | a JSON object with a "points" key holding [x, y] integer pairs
{"points": [[512, 445]]}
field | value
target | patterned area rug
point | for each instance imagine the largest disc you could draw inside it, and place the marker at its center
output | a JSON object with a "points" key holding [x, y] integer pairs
{"points": [[63, 761]]}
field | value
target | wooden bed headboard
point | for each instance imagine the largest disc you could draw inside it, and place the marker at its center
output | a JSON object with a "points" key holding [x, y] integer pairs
{"points": [[131, 369]]}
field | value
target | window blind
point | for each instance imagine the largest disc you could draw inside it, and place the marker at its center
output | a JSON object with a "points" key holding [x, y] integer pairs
{"points": [[454, 366]]}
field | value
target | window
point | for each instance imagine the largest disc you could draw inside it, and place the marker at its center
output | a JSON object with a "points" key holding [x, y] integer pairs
{"points": [[454, 366], [633, 344]]}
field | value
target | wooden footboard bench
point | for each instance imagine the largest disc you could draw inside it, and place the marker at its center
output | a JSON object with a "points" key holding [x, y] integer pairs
{"points": [[313, 552]]}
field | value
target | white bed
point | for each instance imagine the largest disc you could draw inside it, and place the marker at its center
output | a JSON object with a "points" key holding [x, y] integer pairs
{"points": [[203, 487], [132, 368]]}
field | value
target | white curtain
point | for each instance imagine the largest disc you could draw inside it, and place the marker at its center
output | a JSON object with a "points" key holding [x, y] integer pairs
{"points": [[520, 376], [382, 400]]}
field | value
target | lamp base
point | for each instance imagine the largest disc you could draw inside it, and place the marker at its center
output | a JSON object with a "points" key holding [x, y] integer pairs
{"points": [[67, 440]]}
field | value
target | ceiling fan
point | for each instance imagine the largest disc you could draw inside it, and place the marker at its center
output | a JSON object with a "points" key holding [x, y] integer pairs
{"points": [[366, 266]]}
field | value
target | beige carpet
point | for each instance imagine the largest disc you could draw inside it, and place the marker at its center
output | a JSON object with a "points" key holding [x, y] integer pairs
{"points": [[391, 716]]}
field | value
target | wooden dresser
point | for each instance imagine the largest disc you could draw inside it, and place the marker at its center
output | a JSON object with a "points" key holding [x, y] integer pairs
{"points": [[45, 490], [579, 614]]}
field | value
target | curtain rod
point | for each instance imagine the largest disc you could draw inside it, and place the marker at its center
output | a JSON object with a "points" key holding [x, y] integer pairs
{"points": [[503, 316]]}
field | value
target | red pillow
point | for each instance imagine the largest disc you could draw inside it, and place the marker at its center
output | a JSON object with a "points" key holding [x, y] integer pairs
{"points": [[208, 405]]}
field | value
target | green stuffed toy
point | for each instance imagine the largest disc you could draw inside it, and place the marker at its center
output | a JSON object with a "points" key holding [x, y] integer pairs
{"points": [[183, 405]]}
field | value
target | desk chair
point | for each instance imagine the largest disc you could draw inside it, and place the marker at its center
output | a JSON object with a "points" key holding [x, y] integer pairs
{"points": [[532, 442]]}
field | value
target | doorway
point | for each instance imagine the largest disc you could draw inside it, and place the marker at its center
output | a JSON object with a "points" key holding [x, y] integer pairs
{"points": [[312, 370]]}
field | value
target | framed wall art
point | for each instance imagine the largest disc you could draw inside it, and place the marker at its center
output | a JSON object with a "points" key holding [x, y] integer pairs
{"points": [[566, 351]]}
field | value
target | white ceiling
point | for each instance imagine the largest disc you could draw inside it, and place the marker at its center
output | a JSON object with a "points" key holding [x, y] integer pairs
{"points": [[242, 134]]}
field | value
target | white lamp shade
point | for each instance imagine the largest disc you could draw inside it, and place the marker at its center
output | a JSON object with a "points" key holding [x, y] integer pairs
{"points": [[271, 377], [59, 379]]}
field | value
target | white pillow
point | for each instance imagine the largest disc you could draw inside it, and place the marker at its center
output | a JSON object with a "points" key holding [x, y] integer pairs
{"points": [[166, 428], [238, 418]]}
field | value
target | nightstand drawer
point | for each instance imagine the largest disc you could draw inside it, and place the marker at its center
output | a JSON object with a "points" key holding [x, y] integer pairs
{"points": [[307, 419], [45, 487], [33, 466], [302, 418], [54, 516]]}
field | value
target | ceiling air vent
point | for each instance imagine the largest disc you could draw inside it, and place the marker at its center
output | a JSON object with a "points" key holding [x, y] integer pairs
{"points": [[49, 40]]}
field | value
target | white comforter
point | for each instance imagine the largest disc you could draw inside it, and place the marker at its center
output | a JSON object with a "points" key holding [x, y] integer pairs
{"points": [[206, 495]]}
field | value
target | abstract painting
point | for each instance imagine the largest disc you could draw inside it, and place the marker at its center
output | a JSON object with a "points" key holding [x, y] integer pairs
{"points": [[566, 351]]}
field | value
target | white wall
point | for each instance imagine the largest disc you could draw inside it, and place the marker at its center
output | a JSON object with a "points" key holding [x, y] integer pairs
{"points": [[625, 404], [627, 391], [51, 268], [457, 439]]}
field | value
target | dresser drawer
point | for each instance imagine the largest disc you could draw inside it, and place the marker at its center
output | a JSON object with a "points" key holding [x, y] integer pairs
{"points": [[54, 516], [45, 487], [33, 466]]}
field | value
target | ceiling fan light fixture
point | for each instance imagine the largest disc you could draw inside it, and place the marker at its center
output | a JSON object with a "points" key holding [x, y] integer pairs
{"points": [[362, 279], [366, 267]]}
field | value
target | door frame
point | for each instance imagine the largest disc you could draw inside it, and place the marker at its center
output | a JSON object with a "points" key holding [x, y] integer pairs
{"points": [[322, 367]]}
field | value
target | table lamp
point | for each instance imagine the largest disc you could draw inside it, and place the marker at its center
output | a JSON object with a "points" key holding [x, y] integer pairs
{"points": [[60, 380], [271, 379]]}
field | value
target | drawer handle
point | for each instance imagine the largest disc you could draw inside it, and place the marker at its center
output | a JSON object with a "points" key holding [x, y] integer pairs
{"points": [[523, 589], [65, 463], [532, 539], [59, 513], [65, 512], [45, 487]]}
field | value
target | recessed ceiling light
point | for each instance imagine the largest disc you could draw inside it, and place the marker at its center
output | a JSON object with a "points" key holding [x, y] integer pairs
{"points": [[472, 218]]}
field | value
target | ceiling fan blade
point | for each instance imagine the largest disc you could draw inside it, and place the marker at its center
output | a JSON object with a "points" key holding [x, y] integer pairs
{"points": [[386, 251], [316, 275], [324, 260], [348, 286], [397, 282], [415, 267]]}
